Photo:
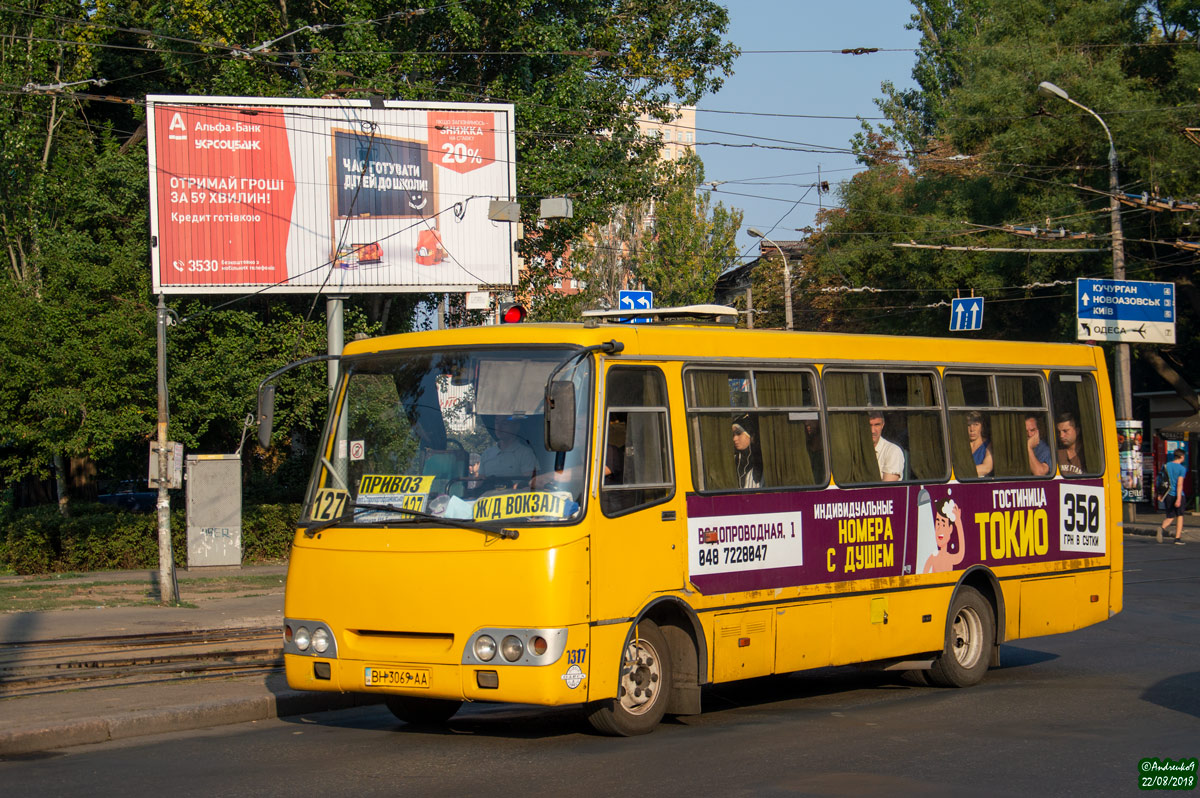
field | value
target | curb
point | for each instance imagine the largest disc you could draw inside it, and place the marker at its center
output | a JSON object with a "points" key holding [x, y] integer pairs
{"points": [[1151, 530], [86, 731]]}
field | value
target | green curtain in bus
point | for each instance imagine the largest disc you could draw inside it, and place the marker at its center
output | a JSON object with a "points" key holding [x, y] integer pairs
{"points": [[783, 443], [715, 444], [1009, 458], [926, 458], [1089, 426], [960, 446], [852, 453]]}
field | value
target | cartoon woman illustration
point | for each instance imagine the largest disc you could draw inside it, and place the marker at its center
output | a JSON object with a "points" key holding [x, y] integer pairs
{"points": [[946, 514]]}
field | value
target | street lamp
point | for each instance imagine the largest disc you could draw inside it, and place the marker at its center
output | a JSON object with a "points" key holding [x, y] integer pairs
{"points": [[1124, 390], [787, 276]]}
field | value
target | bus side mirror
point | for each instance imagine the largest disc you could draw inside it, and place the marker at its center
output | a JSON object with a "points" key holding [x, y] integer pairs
{"points": [[560, 416], [266, 414]]}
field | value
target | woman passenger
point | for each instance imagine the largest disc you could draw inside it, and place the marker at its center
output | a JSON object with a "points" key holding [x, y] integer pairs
{"points": [[981, 447], [747, 457]]}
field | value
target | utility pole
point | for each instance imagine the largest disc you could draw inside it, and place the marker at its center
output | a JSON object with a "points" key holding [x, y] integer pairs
{"points": [[1123, 388], [166, 561]]}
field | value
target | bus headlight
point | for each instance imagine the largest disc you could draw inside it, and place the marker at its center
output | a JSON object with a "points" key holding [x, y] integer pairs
{"points": [[512, 648], [302, 638], [485, 648], [309, 638], [530, 646]]}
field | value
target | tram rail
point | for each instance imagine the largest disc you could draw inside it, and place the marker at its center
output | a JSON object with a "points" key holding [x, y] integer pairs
{"points": [[45, 666]]}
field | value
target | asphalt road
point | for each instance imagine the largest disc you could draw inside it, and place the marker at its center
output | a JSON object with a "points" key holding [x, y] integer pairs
{"points": [[1064, 715]]}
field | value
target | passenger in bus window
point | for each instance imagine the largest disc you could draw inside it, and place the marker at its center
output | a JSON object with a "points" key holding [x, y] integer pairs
{"points": [[747, 457], [473, 470], [613, 470], [1070, 448], [889, 455], [1036, 449], [947, 520], [816, 448], [509, 457], [981, 447]]}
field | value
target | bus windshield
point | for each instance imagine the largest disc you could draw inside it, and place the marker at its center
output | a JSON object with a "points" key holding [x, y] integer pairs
{"points": [[458, 434]]}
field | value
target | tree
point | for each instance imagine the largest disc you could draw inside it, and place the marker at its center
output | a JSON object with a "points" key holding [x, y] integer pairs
{"points": [[676, 243], [78, 332], [689, 243], [974, 154]]}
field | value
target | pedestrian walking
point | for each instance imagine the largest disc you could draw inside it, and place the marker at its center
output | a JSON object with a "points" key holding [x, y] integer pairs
{"points": [[1173, 500]]}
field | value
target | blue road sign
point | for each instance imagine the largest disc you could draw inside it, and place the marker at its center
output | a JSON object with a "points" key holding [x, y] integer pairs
{"points": [[1137, 311], [966, 314], [635, 300]]}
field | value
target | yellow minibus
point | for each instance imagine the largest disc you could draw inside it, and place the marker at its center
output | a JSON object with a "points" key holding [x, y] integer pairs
{"points": [[614, 515]]}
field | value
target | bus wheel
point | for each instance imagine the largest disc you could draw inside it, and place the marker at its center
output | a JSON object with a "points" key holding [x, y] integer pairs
{"points": [[970, 634], [644, 686], [422, 711]]}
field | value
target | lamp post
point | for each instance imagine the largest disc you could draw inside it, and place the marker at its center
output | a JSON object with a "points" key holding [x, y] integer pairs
{"points": [[1121, 356], [787, 276]]}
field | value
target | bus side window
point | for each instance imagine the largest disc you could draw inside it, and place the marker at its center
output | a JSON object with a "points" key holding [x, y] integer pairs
{"points": [[884, 427], [754, 429], [1077, 446], [637, 445], [1022, 398], [997, 426]]}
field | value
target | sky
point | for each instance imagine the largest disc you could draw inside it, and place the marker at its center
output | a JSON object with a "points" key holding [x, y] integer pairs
{"points": [[812, 83]]}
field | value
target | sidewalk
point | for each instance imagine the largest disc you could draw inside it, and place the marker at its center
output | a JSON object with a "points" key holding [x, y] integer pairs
{"points": [[1146, 522], [96, 714]]}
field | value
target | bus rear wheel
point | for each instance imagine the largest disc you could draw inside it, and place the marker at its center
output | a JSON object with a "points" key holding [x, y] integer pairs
{"points": [[645, 683], [422, 711], [970, 634]]}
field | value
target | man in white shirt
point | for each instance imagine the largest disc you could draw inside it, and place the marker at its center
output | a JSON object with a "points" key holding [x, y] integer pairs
{"points": [[889, 455]]}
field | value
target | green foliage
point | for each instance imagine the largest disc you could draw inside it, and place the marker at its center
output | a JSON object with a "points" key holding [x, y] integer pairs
{"points": [[77, 323], [267, 531], [100, 538], [691, 242], [975, 149], [674, 242]]}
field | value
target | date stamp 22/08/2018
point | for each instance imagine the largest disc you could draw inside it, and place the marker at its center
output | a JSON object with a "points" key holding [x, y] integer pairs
{"points": [[1167, 774]]}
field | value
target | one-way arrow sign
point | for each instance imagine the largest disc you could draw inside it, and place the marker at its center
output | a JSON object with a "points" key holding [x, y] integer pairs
{"points": [[966, 314]]}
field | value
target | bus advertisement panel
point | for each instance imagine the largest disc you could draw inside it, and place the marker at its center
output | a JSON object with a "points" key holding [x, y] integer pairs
{"points": [[345, 195], [774, 540]]}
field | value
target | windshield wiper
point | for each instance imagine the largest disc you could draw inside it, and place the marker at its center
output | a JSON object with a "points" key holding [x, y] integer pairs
{"points": [[457, 523]]}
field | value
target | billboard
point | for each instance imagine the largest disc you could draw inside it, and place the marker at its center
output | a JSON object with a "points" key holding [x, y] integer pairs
{"points": [[341, 196]]}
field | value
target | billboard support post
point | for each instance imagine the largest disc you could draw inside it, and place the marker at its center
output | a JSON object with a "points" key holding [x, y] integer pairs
{"points": [[335, 337]]}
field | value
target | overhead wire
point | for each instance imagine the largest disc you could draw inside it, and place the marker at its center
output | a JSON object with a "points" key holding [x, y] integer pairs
{"points": [[824, 149]]}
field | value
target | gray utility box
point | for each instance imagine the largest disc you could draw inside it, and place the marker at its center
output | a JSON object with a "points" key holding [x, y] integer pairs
{"points": [[214, 509]]}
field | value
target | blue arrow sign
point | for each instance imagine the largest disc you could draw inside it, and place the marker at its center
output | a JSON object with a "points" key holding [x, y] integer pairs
{"points": [[1126, 300], [1125, 310], [635, 300], [966, 314]]}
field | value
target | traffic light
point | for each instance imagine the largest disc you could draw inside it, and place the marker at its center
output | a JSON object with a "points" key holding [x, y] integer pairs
{"points": [[511, 313]]}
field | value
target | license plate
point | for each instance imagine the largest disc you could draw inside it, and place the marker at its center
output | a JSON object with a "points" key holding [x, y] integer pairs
{"points": [[396, 677]]}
